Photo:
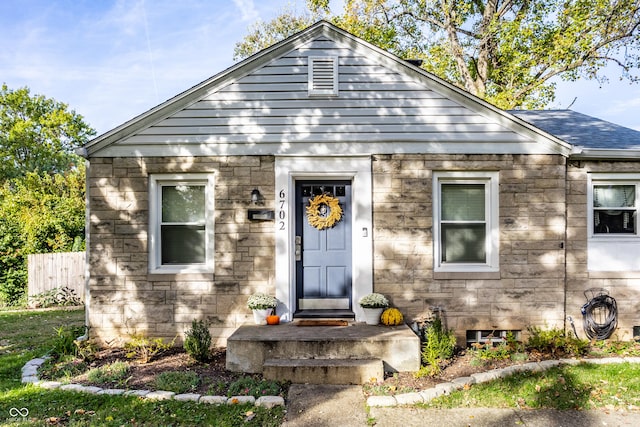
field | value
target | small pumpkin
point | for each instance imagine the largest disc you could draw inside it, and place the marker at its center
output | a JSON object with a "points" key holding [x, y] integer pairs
{"points": [[273, 319], [391, 317]]}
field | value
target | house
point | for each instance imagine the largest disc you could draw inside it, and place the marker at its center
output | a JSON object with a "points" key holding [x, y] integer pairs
{"points": [[324, 168]]}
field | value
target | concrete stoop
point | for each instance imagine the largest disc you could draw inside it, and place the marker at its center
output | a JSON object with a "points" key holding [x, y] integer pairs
{"points": [[351, 354], [324, 371]]}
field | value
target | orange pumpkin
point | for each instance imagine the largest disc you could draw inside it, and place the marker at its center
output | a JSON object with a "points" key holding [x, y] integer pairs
{"points": [[273, 319]]}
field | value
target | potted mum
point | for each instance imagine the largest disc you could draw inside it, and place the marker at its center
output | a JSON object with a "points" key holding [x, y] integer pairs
{"points": [[262, 305], [373, 305]]}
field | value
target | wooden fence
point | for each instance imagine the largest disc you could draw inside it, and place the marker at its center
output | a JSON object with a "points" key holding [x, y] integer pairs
{"points": [[56, 270]]}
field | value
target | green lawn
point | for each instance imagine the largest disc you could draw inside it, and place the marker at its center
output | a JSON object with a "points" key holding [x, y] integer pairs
{"points": [[25, 335], [584, 386]]}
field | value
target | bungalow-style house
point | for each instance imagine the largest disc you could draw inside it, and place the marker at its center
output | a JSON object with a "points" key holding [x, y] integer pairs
{"points": [[323, 168]]}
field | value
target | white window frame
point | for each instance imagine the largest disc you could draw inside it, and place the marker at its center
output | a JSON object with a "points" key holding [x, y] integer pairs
{"points": [[156, 182], [612, 179], [490, 180], [313, 91]]}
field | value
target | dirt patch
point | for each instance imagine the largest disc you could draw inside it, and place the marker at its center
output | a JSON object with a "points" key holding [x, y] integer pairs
{"points": [[215, 378]]}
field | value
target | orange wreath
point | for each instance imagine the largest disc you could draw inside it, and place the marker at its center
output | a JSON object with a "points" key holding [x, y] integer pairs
{"points": [[333, 216]]}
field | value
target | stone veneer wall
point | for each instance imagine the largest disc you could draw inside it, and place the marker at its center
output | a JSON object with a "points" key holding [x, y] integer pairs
{"points": [[125, 299], [530, 290], [623, 286]]}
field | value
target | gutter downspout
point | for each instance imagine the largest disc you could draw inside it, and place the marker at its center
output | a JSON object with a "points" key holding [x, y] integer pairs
{"points": [[564, 244], [87, 236]]}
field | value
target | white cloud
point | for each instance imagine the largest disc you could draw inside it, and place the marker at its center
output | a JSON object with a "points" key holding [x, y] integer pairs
{"points": [[248, 9]]}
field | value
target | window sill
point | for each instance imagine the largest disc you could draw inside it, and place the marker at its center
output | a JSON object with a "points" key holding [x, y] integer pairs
{"points": [[452, 275], [159, 275]]}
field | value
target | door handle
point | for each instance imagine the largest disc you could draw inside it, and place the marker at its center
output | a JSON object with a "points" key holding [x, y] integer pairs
{"points": [[298, 248]]}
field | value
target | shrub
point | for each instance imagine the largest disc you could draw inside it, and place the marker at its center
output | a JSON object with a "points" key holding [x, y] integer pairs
{"points": [[55, 297], [198, 341], [146, 349], [64, 343], [439, 346], [177, 382], [114, 373], [555, 342]]}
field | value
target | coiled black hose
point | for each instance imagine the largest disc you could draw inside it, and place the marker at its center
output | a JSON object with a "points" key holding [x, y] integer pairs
{"points": [[605, 309]]}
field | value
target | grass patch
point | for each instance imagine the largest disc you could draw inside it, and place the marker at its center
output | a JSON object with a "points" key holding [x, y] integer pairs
{"points": [[250, 386], [29, 334], [584, 386], [177, 382], [116, 373]]}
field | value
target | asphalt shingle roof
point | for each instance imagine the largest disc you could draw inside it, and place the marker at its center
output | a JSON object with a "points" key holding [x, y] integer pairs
{"points": [[580, 129]]}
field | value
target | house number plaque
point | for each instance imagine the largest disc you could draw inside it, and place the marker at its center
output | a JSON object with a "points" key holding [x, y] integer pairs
{"points": [[282, 213]]}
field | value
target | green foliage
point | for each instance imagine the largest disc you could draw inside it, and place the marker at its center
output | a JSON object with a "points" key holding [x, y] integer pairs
{"points": [[26, 335], [504, 52], [555, 342], [508, 348], [38, 214], [62, 368], [177, 382], [197, 341], [37, 134], [439, 346], [116, 373], [56, 297], [256, 387], [64, 342], [146, 349]]}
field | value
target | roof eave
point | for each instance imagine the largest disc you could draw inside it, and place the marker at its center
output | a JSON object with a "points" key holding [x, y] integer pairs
{"points": [[607, 154]]}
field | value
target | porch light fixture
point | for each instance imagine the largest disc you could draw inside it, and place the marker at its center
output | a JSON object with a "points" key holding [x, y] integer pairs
{"points": [[255, 196]]}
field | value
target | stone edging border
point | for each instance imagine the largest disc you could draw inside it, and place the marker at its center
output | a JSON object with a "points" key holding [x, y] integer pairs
{"points": [[30, 375], [459, 383]]}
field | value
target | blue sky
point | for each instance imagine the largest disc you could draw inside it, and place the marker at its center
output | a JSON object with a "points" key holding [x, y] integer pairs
{"points": [[112, 60]]}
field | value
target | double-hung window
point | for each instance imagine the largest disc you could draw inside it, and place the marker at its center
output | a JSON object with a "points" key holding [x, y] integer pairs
{"points": [[614, 238], [181, 223], [465, 221]]}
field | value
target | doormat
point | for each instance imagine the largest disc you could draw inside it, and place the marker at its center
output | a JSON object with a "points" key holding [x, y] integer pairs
{"points": [[311, 322]]}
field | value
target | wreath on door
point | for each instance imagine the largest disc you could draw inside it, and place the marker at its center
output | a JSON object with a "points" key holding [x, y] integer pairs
{"points": [[324, 211]]}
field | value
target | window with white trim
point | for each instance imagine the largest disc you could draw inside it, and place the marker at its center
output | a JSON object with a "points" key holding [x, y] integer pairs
{"points": [[465, 210], [614, 208], [181, 223]]}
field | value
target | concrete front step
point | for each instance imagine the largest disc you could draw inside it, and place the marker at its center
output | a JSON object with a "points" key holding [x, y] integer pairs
{"points": [[324, 371], [251, 345]]}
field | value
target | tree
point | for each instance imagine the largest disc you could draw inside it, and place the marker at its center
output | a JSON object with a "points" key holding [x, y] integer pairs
{"points": [[39, 213], [41, 184], [505, 51], [37, 134]]}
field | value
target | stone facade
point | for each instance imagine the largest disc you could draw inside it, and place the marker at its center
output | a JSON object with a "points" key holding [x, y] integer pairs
{"points": [[125, 300], [542, 220], [623, 286], [529, 290]]}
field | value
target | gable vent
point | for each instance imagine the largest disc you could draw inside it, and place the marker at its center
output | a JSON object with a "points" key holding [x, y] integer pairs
{"points": [[323, 75]]}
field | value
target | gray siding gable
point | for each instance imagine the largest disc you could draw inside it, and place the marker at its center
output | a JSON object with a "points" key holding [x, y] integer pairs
{"points": [[384, 105]]}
